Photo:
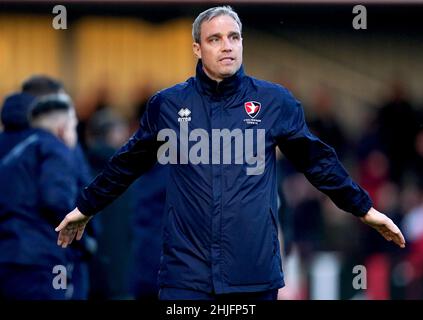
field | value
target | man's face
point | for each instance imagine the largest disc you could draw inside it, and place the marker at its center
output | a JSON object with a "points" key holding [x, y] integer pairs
{"points": [[221, 47]]}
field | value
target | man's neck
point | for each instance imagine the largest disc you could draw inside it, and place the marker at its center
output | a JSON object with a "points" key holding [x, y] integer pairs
{"points": [[210, 76]]}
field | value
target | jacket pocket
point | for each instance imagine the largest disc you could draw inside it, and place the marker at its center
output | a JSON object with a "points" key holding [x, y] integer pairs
{"points": [[249, 247]]}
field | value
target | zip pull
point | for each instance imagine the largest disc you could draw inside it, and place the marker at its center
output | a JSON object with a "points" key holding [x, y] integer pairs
{"points": [[217, 87]]}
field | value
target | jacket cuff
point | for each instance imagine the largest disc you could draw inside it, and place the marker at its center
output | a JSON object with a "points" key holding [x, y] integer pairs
{"points": [[84, 206], [365, 206]]}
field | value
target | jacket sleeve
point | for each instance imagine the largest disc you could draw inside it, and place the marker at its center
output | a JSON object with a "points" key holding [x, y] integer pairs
{"points": [[137, 156], [317, 160]]}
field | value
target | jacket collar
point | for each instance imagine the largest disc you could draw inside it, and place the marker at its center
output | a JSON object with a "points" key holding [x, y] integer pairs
{"points": [[226, 87]]}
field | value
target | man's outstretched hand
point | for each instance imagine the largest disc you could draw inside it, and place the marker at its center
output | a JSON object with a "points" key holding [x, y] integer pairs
{"points": [[384, 226], [72, 225]]}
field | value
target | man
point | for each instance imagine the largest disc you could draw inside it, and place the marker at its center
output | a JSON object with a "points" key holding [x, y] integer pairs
{"points": [[38, 187], [15, 120], [220, 236], [38, 86]]}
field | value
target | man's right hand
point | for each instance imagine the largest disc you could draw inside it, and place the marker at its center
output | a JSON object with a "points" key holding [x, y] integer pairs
{"points": [[72, 225], [384, 226]]}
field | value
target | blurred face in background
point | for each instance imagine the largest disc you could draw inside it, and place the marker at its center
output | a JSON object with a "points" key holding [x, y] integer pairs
{"points": [[220, 48]]}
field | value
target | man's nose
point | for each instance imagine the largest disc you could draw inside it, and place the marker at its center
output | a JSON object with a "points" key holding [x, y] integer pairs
{"points": [[226, 45]]}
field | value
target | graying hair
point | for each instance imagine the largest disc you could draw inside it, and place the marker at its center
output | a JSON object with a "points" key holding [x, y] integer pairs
{"points": [[210, 14]]}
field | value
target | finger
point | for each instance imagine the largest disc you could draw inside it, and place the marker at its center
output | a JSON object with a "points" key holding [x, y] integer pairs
{"points": [[384, 233], [80, 233], [64, 238], [396, 235], [399, 239], [72, 235], [62, 224], [60, 239], [68, 235], [387, 236]]}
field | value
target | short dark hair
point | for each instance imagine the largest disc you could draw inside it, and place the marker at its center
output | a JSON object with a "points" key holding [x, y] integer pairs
{"points": [[39, 85], [50, 103]]}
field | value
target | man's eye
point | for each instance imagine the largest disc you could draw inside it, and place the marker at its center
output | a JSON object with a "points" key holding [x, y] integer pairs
{"points": [[214, 40], [235, 37]]}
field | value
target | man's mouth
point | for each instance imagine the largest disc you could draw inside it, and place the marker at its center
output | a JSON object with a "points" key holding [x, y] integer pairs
{"points": [[227, 60]]}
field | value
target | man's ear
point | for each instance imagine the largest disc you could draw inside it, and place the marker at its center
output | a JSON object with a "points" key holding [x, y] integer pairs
{"points": [[196, 49], [61, 131]]}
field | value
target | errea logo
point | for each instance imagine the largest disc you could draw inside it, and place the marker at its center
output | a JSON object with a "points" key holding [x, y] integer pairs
{"points": [[184, 114]]}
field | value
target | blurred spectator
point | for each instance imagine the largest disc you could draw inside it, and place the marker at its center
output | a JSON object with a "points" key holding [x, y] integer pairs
{"points": [[95, 101], [415, 171], [325, 125], [397, 122], [413, 229], [147, 220], [374, 176], [80, 253], [38, 188], [147, 224], [307, 215], [141, 96], [374, 173], [106, 131], [302, 225]]}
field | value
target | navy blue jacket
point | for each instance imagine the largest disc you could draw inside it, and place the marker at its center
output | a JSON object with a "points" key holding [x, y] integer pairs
{"points": [[38, 187], [220, 231], [15, 112], [15, 120]]}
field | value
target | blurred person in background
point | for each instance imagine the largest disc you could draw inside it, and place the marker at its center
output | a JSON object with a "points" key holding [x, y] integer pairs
{"points": [[413, 229], [105, 132], [15, 119], [147, 221], [38, 186], [96, 100], [141, 95], [201, 260], [389, 168], [397, 127], [81, 254], [133, 221], [413, 223], [324, 123], [147, 232]]}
